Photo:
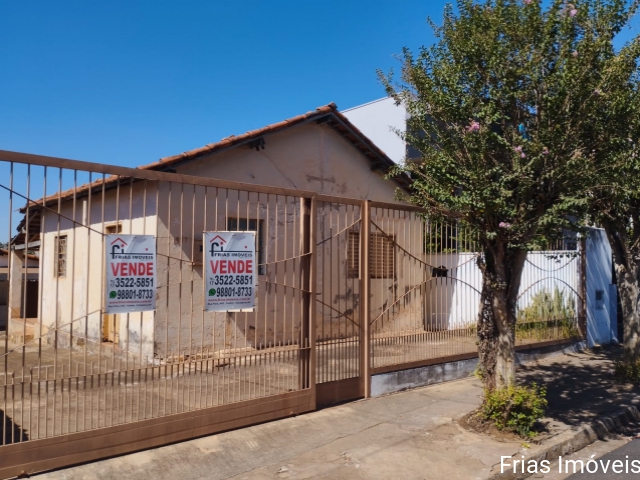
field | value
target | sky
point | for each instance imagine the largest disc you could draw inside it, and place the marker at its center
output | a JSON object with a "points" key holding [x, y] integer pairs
{"points": [[128, 82]]}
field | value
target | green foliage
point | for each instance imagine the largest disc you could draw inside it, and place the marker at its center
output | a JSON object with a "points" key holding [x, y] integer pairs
{"points": [[448, 237], [515, 408], [549, 316], [627, 371], [547, 306], [509, 109]]}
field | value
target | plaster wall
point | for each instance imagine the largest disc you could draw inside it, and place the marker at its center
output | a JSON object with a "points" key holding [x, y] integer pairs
{"points": [[73, 303], [309, 157]]}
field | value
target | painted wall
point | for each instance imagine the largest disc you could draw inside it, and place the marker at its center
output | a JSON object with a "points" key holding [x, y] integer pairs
{"points": [[308, 157], [379, 120], [73, 303], [543, 272]]}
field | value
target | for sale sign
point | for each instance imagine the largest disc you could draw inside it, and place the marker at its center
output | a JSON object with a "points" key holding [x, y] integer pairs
{"points": [[131, 273], [230, 261]]}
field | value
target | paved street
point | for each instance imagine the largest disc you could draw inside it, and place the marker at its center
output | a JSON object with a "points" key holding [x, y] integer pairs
{"points": [[410, 435], [626, 453]]}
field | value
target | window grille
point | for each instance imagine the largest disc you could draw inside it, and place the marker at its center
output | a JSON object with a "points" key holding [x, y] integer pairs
{"points": [[60, 266]]}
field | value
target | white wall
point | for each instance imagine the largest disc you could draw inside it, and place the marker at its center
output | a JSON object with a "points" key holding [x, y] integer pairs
{"points": [[378, 120], [459, 299]]}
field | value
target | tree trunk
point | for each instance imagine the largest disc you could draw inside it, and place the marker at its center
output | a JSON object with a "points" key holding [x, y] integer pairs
{"points": [[501, 275], [626, 260], [629, 291]]}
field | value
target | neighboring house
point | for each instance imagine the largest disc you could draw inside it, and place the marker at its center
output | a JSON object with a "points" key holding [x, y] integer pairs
{"points": [[321, 151], [18, 298], [382, 121]]}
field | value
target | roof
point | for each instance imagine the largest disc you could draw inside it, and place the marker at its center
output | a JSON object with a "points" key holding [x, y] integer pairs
{"points": [[327, 114], [4, 252]]}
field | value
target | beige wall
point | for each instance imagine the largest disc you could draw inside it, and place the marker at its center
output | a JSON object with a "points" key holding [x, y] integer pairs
{"points": [[77, 297], [307, 157]]}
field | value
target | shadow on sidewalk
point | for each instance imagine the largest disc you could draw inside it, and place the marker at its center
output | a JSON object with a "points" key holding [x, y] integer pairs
{"points": [[9, 431], [581, 386]]}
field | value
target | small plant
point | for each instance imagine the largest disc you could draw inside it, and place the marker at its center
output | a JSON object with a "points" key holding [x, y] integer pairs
{"points": [[516, 408], [625, 371]]}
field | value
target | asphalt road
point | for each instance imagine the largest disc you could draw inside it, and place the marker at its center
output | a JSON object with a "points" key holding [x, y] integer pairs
{"points": [[625, 454]]}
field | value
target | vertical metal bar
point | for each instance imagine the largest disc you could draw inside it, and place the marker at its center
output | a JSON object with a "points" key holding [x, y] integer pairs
{"points": [[311, 295], [582, 282], [181, 357], [6, 337], [72, 299], [57, 275], [365, 281], [305, 286], [41, 269], [103, 285], [167, 315], [144, 385], [87, 224]]}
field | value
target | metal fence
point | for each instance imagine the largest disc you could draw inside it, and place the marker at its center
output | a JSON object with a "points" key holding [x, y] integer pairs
{"points": [[345, 289]]}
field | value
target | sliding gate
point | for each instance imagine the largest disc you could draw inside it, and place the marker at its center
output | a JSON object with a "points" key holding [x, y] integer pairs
{"points": [[78, 384], [345, 290]]}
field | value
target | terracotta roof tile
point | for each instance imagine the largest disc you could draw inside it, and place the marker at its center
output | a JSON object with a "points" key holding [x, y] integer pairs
{"points": [[236, 139]]}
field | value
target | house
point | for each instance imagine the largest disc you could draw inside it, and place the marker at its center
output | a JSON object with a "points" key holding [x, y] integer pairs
{"points": [[382, 121], [18, 289], [319, 152]]}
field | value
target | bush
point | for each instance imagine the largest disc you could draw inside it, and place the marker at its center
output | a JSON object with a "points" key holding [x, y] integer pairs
{"points": [[628, 372], [515, 408]]}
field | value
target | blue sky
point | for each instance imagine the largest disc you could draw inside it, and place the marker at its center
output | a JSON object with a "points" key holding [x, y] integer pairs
{"points": [[128, 82]]}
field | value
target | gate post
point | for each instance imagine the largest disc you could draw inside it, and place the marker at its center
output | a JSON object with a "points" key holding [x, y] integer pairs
{"points": [[582, 276], [308, 281], [365, 284]]}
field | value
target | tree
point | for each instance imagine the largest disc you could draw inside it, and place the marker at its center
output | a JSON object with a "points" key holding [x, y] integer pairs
{"points": [[500, 109], [616, 206]]}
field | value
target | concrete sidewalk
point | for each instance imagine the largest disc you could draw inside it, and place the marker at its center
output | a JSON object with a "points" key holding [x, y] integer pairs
{"points": [[408, 435]]}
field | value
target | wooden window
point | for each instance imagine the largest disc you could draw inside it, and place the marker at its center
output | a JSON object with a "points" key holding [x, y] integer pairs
{"points": [[60, 265], [381, 256], [115, 228], [250, 225]]}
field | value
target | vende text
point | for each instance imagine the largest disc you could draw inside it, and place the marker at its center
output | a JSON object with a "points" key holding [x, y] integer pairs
{"points": [[132, 269], [231, 266]]}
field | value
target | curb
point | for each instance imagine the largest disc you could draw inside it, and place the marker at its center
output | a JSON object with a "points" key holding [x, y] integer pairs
{"points": [[576, 439]]}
